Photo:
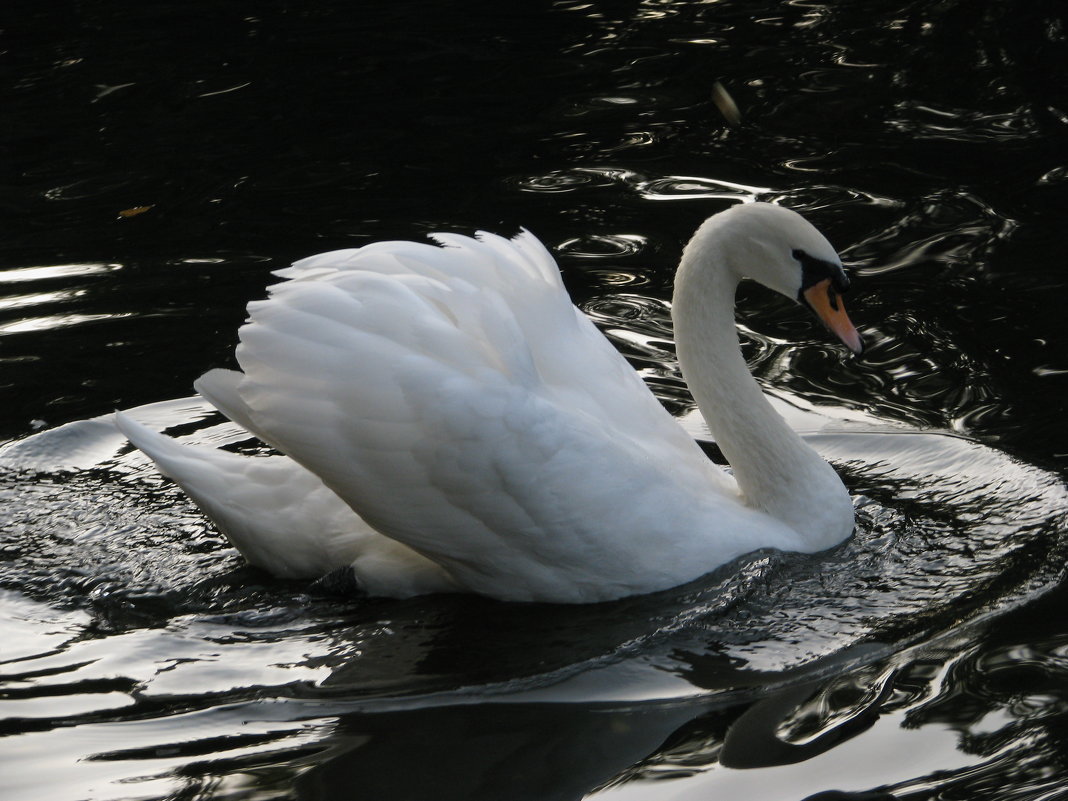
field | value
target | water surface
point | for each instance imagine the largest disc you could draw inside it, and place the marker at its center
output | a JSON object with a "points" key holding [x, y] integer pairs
{"points": [[168, 156]]}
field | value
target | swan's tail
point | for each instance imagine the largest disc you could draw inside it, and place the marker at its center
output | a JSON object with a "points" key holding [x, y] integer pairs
{"points": [[252, 501], [282, 518]]}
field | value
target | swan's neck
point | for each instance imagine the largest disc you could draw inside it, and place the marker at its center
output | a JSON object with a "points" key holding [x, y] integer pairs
{"points": [[776, 471]]}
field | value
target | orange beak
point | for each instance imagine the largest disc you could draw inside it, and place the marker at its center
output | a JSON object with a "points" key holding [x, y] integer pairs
{"points": [[827, 303]]}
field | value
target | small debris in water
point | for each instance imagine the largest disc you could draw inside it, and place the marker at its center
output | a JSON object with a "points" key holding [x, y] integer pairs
{"points": [[725, 103], [133, 212]]}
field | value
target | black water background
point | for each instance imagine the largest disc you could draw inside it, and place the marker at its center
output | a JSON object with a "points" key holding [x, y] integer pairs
{"points": [[927, 138]]}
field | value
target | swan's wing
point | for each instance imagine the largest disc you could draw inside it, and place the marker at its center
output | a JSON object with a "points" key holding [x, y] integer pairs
{"points": [[283, 519], [506, 295], [457, 400]]}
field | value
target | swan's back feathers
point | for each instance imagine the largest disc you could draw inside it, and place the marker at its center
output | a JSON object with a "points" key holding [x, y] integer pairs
{"points": [[460, 404]]}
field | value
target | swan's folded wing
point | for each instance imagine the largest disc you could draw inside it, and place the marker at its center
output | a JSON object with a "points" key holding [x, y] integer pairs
{"points": [[220, 388], [475, 416], [506, 295]]}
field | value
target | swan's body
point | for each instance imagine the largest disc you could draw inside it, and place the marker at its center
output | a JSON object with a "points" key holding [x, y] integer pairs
{"points": [[452, 422]]}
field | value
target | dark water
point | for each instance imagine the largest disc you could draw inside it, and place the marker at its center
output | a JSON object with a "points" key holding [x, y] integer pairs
{"points": [[166, 157]]}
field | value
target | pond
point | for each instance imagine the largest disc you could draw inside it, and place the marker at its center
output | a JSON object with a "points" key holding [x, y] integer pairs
{"points": [[168, 156]]}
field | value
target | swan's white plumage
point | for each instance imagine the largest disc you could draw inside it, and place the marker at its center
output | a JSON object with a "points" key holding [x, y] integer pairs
{"points": [[455, 398]]}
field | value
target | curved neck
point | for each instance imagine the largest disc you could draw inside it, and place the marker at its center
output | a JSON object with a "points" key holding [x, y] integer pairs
{"points": [[775, 470]]}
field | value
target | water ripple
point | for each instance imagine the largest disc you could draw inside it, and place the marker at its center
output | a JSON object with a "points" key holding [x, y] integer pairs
{"points": [[955, 227], [603, 246], [677, 187], [570, 180], [929, 121]]}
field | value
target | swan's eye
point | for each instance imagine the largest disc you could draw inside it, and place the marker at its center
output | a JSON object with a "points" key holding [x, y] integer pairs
{"points": [[814, 270]]}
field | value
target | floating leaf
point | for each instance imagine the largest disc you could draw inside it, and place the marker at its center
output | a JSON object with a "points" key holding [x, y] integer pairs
{"points": [[134, 211]]}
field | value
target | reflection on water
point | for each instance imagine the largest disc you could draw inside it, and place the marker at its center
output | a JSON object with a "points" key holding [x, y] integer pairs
{"points": [[140, 658], [28, 311], [25, 274]]}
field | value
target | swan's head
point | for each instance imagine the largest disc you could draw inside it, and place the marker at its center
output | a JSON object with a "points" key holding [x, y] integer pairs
{"points": [[783, 251]]}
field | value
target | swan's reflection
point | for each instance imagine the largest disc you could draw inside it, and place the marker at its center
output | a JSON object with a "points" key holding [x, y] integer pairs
{"points": [[545, 750], [492, 751], [753, 740], [539, 751], [892, 726]]}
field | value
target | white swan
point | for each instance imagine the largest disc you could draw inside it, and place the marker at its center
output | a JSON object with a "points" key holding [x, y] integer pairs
{"points": [[452, 422]]}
